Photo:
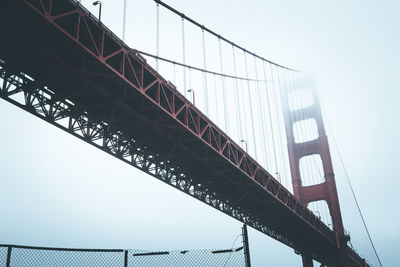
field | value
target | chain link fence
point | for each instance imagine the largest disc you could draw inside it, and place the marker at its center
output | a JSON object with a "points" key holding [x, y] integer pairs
{"points": [[26, 256], [195, 258]]}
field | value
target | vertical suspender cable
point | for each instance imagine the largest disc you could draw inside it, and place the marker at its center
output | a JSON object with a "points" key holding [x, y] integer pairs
{"points": [[283, 147], [224, 95], [190, 78], [205, 74], [279, 124], [157, 35], [292, 105], [243, 108], [260, 115], [184, 57], [269, 113], [216, 99], [265, 117], [124, 22], [236, 92], [277, 132], [174, 74], [250, 107], [291, 89], [300, 131], [286, 163]]}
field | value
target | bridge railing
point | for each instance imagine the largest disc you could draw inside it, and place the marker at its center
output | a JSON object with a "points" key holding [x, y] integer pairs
{"points": [[353, 255], [88, 13]]}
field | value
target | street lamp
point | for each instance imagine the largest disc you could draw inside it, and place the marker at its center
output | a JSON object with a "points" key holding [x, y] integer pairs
{"points": [[319, 215], [278, 176], [245, 143], [192, 91], [95, 3]]}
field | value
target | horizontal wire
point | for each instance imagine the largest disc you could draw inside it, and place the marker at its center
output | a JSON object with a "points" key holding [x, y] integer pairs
{"points": [[197, 68]]}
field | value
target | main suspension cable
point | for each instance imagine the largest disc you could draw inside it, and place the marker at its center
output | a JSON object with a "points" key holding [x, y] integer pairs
{"points": [[353, 193], [183, 16]]}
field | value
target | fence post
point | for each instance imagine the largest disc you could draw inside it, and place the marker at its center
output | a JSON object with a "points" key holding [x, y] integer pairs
{"points": [[8, 256], [246, 246], [125, 258]]}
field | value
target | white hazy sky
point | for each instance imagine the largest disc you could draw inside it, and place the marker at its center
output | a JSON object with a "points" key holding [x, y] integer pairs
{"points": [[58, 191]]}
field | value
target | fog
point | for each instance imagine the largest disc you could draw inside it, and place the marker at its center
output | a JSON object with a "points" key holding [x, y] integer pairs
{"points": [[59, 191]]}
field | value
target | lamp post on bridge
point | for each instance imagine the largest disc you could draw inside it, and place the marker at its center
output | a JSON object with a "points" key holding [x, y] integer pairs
{"points": [[194, 100], [245, 143], [278, 176], [319, 215], [100, 4]]}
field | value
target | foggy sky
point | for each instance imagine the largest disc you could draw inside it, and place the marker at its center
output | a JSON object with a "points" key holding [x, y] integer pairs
{"points": [[58, 191]]}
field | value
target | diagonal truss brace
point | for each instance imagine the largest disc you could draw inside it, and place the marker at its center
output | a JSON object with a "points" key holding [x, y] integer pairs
{"points": [[23, 91]]}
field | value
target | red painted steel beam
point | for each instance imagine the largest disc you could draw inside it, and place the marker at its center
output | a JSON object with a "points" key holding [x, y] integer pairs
{"points": [[133, 69], [147, 123], [326, 190]]}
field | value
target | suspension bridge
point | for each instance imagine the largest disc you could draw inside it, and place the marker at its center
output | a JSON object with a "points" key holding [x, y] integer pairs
{"points": [[246, 138]]}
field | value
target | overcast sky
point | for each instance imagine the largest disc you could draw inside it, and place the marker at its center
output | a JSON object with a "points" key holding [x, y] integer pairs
{"points": [[58, 191]]}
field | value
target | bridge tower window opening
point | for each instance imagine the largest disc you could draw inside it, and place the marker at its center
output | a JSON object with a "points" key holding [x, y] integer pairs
{"points": [[311, 170], [300, 98], [321, 210], [305, 130]]}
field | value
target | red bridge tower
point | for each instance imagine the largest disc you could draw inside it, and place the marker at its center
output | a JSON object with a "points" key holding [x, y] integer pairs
{"points": [[326, 190]]}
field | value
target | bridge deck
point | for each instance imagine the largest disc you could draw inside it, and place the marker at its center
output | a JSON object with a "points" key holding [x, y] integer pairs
{"points": [[77, 75]]}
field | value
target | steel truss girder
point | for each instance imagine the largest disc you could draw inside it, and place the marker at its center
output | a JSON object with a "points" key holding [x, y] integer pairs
{"points": [[21, 90], [88, 39], [84, 29], [323, 191]]}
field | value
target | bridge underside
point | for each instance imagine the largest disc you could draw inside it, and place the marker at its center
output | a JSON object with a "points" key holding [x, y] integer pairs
{"points": [[45, 72]]}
